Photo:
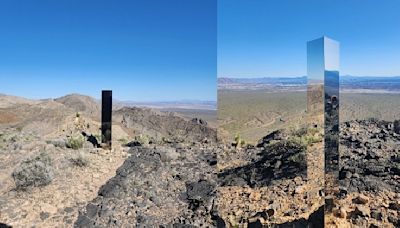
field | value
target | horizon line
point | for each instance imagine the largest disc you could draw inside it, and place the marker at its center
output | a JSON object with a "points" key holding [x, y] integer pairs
{"points": [[346, 75]]}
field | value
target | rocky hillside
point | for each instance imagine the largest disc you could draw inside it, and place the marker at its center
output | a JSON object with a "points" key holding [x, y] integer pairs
{"points": [[167, 171], [174, 184], [51, 167], [161, 125], [45, 116], [369, 174], [267, 185], [254, 192], [81, 103]]}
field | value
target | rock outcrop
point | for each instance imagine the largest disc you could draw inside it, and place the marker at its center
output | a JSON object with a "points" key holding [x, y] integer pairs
{"points": [[161, 186], [164, 125]]}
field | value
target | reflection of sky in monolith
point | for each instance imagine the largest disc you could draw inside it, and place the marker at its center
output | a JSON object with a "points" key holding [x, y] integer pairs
{"points": [[322, 55], [323, 74]]}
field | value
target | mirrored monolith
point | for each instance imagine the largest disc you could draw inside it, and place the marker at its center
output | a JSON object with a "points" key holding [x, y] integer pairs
{"points": [[323, 116]]}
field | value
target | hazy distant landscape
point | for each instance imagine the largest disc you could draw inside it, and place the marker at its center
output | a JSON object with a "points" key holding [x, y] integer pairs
{"points": [[206, 110], [271, 113], [347, 83], [253, 107]]}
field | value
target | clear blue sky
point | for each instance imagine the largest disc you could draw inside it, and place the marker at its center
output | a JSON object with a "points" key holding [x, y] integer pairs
{"points": [[144, 50], [268, 38]]}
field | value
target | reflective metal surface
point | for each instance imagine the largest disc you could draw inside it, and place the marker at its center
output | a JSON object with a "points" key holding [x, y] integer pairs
{"points": [[323, 114]]}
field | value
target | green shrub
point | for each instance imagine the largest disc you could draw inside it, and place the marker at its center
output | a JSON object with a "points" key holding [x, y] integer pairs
{"points": [[299, 132], [34, 172], [313, 130], [313, 139], [238, 141], [306, 140], [297, 158], [75, 142], [142, 139]]}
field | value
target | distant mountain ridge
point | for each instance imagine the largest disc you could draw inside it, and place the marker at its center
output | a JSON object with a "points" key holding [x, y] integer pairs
{"points": [[347, 82], [264, 80], [182, 104]]}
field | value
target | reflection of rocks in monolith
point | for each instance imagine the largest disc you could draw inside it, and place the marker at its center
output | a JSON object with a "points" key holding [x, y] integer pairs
{"points": [[106, 111], [323, 114]]}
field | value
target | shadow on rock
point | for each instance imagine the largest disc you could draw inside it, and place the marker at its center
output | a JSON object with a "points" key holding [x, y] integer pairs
{"points": [[281, 160], [315, 220], [2, 225]]}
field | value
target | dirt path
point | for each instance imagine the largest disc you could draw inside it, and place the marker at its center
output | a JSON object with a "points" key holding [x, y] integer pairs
{"points": [[57, 204]]}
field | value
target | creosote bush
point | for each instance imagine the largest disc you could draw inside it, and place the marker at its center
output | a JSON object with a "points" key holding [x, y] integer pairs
{"points": [[306, 136], [238, 141], [142, 139], [75, 142], [34, 172]]}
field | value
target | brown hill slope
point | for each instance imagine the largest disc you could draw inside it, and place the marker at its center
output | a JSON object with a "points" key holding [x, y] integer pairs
{"points": [[163, 125], [81, 103]]}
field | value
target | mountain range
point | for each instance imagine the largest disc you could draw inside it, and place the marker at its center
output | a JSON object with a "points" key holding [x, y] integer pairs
{"points": [[347, 82]]}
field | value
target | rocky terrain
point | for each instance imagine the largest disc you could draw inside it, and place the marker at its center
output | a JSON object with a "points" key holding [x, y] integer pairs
{"points": [[52, 171], [267, 185], [167, 171], [369, 177], [167, 185], [161, 125], [253, 192]]}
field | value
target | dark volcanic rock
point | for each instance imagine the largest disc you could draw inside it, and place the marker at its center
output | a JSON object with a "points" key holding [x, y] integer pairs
{"points": [[275, 135], [367, 164], [199, 121], [150, 190], [2, 225], [281, 160]]}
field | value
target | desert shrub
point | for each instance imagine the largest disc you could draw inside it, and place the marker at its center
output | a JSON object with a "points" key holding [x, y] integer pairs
{"points": [[313, 130], [306, 140], [78, 115], [80, 160], [75, 142], [299, 140], [299, 132], [238, 141], [142, 139], [297, 158], [34, 172], [313, 139]]}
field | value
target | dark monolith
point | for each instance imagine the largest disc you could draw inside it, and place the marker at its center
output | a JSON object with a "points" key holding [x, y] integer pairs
{"points": [[106, 111]]}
